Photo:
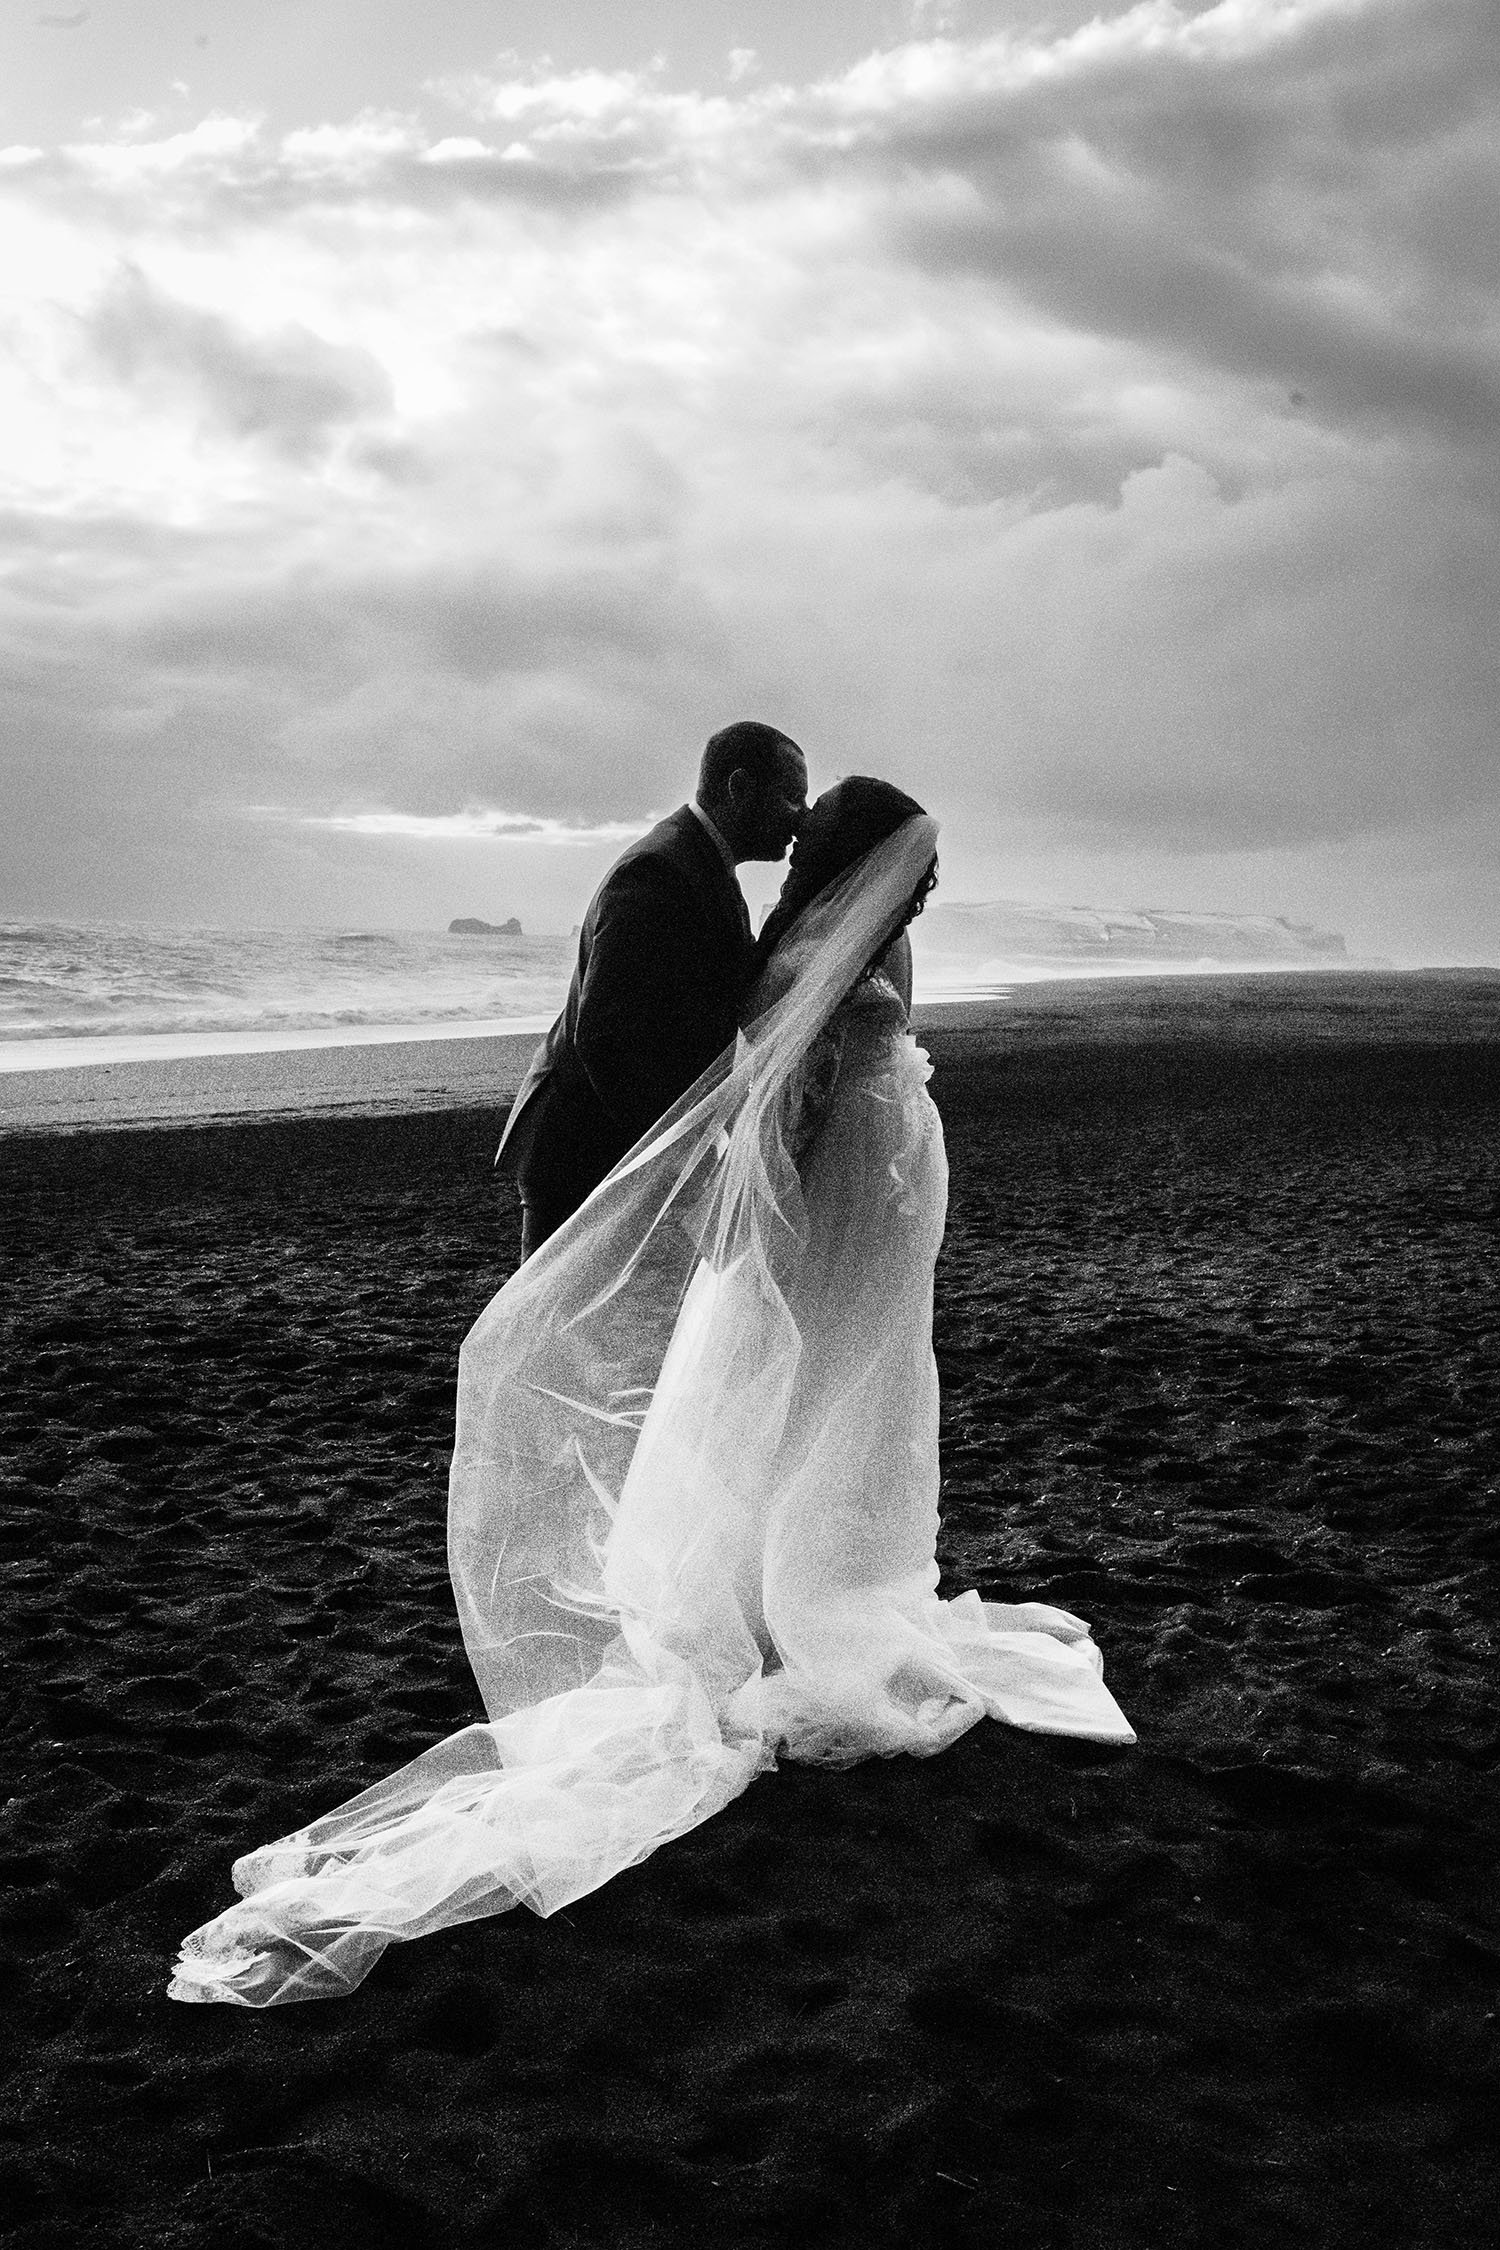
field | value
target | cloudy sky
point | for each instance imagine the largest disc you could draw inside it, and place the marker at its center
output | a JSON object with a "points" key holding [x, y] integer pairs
{"points": [[420, 425]]}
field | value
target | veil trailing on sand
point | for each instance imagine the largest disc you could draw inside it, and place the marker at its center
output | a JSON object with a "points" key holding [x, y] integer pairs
{"points": [[693, 1503]]}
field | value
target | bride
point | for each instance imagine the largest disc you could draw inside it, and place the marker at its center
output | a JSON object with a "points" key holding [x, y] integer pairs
{"points": [[693, 1508]]}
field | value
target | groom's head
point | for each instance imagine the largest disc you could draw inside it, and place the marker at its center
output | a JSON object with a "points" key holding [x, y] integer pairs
{"points": [[753, 786]]}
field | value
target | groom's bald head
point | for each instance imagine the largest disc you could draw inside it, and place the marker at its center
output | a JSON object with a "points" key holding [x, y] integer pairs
{"points": [[748, 746], [752, 783]]}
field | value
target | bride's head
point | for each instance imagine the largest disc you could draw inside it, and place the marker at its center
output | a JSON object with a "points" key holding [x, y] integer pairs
{"points": [[847, 821]]}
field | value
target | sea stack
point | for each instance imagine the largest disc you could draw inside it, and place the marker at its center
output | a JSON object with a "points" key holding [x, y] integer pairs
{"points": [[469, 925]]}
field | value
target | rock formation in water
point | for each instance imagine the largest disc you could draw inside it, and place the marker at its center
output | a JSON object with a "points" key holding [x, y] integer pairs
{"points": [[469, 925]]}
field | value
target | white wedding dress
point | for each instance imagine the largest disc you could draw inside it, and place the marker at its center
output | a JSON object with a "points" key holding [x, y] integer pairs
{"points": [[694, 1498]]}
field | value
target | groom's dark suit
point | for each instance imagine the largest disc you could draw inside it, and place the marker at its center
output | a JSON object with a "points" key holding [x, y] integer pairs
{"points": [[663, 958]]}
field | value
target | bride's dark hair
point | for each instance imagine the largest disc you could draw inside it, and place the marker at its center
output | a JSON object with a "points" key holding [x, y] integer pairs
{"points": [[865, 813]]}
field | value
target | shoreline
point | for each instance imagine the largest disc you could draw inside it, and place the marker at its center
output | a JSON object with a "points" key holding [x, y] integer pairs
{"points": [[89, 1050], [416, 1069], [85, 1050]]}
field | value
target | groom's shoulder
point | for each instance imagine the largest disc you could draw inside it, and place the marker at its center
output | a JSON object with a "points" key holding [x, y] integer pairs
{"points": [[671, 853], [673, 841]]}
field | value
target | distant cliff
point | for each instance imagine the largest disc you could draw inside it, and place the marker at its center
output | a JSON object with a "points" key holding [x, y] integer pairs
{"points": [[469, 925], [1004, 932]]}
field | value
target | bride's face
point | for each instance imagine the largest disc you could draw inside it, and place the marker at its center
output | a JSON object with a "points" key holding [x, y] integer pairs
{"points": [[818, 828]]}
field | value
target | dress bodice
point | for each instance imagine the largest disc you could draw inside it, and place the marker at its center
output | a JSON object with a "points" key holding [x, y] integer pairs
{"points": [[875, 1000]]}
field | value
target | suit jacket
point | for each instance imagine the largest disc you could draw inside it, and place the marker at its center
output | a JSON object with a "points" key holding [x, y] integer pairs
{"points": [[663, 958]]}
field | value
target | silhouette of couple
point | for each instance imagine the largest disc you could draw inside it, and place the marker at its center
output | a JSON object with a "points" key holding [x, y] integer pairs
{"points": [[693, 1507], [664, 962]]}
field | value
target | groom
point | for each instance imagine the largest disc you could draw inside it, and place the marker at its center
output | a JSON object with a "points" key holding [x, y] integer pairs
{"points": [[663, 959]]}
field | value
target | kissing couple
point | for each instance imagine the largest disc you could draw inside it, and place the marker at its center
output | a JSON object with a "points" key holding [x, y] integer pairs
{"points": [[693, 1507]]}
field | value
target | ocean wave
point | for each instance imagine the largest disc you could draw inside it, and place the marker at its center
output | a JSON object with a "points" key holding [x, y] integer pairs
{"points": [[68, 982]]}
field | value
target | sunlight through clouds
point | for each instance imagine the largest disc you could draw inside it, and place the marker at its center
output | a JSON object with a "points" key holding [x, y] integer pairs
{"points": [[474, 825]]}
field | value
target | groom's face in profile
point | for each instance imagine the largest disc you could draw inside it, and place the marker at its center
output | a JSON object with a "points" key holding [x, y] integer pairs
{"points": [[776, 807]]}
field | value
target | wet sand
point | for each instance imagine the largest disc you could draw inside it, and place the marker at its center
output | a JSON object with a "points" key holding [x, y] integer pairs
{"points": [[1217, 1327]]}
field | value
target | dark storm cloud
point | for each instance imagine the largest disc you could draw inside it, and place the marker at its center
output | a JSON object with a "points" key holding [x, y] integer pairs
{"points": [[1114, 270], [1315, 209], [478, 623], [147, 702], [293, 389], [483, 622]]}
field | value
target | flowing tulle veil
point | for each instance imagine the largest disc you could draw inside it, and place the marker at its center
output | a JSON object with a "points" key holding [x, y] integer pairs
{"points": [[648, 1603]]}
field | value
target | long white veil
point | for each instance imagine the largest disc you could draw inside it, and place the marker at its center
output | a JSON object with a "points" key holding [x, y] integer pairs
{"points": [[692, 1508]]}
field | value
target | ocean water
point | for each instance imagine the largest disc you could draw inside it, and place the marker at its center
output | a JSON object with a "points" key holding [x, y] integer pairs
{"points": [[91, 992], [86, 983], [305, 1033], [74, 993]]}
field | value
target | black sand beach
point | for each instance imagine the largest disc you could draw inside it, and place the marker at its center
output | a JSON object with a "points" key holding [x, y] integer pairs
{"points": [[1217, 1327]]}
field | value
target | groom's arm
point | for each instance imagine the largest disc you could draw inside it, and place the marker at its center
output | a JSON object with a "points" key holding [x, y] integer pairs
{"points": [[653, 1009]]}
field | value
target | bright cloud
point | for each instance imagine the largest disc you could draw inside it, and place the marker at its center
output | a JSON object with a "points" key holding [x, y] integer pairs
{"points": [[1093, 431], [475, 824]]}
